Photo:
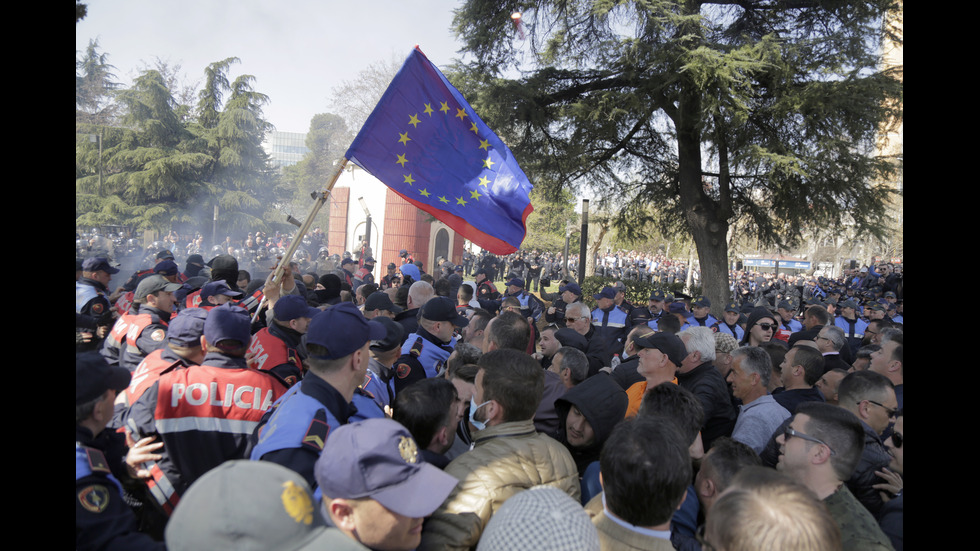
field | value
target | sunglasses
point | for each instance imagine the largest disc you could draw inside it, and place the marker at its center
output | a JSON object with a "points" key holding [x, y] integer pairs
{"points": [[767, 326], [897, 439], [891, 412], [789, 432]]}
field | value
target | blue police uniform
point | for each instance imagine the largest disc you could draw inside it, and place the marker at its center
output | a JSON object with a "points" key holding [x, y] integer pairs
{"points": [[293, 431], [733, 330], [103, 520], [706, 322], [853, 331], [423, 356], [612, 325]]}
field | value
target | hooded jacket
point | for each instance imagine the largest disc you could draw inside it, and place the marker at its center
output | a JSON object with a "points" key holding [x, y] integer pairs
{"points": [[603, 403]]}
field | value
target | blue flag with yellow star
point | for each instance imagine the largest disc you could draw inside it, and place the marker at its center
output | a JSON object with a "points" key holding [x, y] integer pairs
{"points": [[425, 142]]}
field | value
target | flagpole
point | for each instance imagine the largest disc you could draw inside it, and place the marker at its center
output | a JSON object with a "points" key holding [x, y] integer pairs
{"points": [[305, 227]]}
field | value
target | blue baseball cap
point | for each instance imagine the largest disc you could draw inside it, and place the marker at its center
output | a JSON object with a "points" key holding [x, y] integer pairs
{"points": [[440, 308], [186, 329], [702, 301], [342, 329], [572, 286], [94, 376], [606, 292], [516, 282], [166, 267], [378, 459], [228, 322], [98, 264], [219, 287], [291, 307], [657, 295]]}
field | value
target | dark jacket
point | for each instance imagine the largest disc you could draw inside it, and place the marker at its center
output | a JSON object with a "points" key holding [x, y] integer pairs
{"points": [[874, 457], [706, 382], [603, 404]]}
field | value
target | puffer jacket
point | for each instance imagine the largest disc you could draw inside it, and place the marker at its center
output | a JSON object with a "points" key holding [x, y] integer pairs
{"points": [[874, 457], [603, 404], [506, 459]]}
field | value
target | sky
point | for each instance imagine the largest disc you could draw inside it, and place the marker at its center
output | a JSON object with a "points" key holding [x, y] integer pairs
{"points": [[297, 50]]}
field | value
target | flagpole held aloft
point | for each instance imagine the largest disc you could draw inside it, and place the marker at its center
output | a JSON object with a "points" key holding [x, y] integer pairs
{"points": [[321, 198]]}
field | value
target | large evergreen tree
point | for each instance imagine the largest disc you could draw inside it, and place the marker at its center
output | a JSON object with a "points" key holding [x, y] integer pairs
{"points": [[690, 114]]}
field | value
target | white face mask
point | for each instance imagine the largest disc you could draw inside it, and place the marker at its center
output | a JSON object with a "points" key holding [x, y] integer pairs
{"points": [[478, 425]]}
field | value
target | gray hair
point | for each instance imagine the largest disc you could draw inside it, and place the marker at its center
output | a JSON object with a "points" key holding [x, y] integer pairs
{"points": [[420, 293], [575, 361], [836, 336], [755, 360], [699, 339], [578, 310]]}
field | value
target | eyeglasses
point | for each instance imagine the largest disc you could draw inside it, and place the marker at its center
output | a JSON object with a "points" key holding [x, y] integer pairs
{"points": [[897, 439], [891, 412], [767, 326], [789, 432], [572, 320]]}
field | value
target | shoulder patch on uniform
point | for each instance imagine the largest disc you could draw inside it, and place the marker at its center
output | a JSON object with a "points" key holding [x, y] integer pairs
{"points": [[158, 335], [96, 460], [403, 370], [417, 347], [316, 433], [98, 308], [94, 498]]}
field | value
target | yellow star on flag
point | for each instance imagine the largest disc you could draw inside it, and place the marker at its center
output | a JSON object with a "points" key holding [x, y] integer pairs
{"points": [[414, 120], [475, 195], [473, 128], [424, 192], [484, 181], [408, 179], [460, 113], [484, 144], [445, 106], [443, 199], [488, 163], [401, 160], [403, 138], [460, 201], [428, 109]]}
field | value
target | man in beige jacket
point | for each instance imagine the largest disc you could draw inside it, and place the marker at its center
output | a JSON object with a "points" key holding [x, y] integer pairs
{"points": [[508, 454]]}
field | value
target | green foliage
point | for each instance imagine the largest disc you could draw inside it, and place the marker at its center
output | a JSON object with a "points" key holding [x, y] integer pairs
{"points": [[683, 117], [161, 169], [637, 292]]}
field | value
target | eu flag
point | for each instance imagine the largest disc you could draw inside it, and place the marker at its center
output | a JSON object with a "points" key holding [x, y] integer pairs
{"points": [[426, 143]]}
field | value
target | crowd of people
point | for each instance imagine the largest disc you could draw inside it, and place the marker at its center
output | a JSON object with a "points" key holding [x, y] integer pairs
{"points": [[335, 407]]}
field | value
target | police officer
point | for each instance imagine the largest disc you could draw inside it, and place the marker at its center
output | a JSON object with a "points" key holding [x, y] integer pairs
{"points": [[701, 313], [144, 328], [729, 322], [570, 292], [425, 351], [531, 307], [293, 432], [277, 348], [852, 325], [655, 307], [103, 520], [204, 414], [377, 392], [389, 279], [364, 275], [183, 349], [485, 289], [93, 311], [611, 322]]}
